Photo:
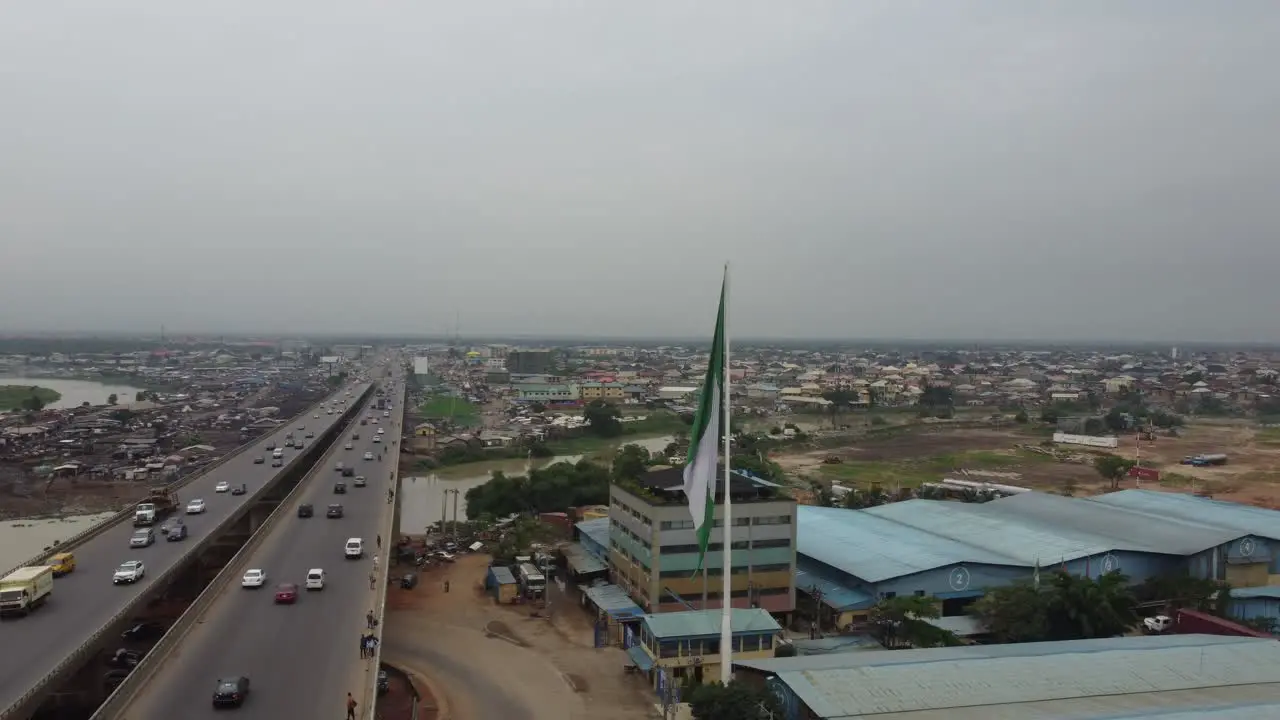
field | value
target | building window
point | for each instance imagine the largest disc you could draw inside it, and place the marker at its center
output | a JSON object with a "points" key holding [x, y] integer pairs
{"points": [[773, 520], [888, 595], [919, 593], [762, 544], [677, 525]]}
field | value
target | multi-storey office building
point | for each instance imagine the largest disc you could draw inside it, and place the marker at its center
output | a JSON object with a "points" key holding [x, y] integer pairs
{"points": [[653, 549]]}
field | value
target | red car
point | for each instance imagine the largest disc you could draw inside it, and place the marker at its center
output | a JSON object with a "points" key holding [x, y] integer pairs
{"points": [[287, 593]]}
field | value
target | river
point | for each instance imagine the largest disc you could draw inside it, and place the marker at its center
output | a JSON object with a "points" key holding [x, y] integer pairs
{"points": [[21, 539], [76, 392], [423, 498]]}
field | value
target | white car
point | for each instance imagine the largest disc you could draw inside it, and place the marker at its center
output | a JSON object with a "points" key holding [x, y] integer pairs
{"points": [[195, 507], [315, 579], [386, 413], [354, 549], [368, 456], [347, 446], [222, 487], [360, 481], [129, 573], [373, 420], [329, 412], [381, 430], [254, 578], [316, 416], [1157, 624]]}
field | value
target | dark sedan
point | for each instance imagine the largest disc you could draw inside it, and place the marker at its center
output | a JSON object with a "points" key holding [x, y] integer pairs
{"points": [[305, 510], [335, 511], [231, 692]]}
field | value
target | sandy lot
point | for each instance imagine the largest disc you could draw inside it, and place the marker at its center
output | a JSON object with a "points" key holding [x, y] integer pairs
{"points": [[1252, 475], [481, 661]]}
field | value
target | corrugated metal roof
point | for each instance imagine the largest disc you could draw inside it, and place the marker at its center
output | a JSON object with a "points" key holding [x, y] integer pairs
{"points": [[1248, 711], [874, 548], [597, 529], [1248, 520], [1124, 528], [1005, 533], [704, 623], [581, 561], [613, 600], [868, 684], [834, 595]]}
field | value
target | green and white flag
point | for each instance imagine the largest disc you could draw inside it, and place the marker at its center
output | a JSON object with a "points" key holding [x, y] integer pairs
{"points": [[704, 441]]}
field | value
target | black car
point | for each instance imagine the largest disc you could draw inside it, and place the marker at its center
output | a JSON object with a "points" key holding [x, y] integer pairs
{"points": [[144, 632], [348, 472], [125, 659], [231, 692], [335, 511], [339, 488], [259, 460], [277, 463], [305, 510], [242, 489]]}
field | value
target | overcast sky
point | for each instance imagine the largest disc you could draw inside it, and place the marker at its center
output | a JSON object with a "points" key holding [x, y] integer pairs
{"points": [[1078, 169]]}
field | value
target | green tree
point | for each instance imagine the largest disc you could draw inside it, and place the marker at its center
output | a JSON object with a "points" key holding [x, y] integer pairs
{"points": [[1112, 468], [1021, 417], [630, 462], [602, 419], [1014, 613], [537, 407], [1081, 608], [140, 396], [899, 622], [33, 403], [735, 701], [554, 488], [112, 399]]}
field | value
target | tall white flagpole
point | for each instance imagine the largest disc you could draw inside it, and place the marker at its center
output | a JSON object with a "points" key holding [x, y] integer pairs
{"points": [[726, 592]]}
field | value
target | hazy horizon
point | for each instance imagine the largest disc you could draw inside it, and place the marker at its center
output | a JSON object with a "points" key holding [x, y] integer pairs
{"points": [[886, 168]]}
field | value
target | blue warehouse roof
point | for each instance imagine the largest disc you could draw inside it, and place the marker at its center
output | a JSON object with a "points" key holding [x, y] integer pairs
{"points": [[1109, 678], [915, 536], [597, 529]]}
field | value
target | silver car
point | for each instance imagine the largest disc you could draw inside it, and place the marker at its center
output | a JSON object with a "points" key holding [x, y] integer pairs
{"points": [[142, 538]]}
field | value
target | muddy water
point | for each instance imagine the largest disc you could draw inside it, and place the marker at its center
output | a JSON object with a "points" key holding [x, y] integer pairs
{"points": [[423, 499], [21, 539]]}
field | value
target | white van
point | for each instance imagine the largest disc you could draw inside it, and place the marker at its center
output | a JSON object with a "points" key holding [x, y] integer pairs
{"points": [[315, 579], [354, 548]]}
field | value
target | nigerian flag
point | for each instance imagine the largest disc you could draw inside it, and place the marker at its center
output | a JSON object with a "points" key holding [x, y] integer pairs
{"points": [[704, 441]]}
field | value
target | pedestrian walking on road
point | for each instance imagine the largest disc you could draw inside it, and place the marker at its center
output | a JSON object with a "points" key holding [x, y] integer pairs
{"points": [[364, 644], [379, 541], [446, 586], [368, 618], [373, 580], [351, 707]]}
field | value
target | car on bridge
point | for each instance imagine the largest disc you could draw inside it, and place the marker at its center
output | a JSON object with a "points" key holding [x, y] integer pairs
{"points": [[305, 510], [334, 511], [348, 446], [129, 573], [360, 481], [231, 692], [339, 488], [286, 593], [240, 489], [177, 532], [368, 456], [222, 487], [259, 460], [196, 506], [315, 579], [142, 537], [277, 463], [354, 549], [254, 578]]}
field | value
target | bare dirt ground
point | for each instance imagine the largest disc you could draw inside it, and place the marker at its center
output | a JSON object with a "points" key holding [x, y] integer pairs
{"points": [[1252, 475], [481, 661]]}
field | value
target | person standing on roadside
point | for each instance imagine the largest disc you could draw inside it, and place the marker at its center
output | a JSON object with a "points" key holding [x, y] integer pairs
{"points": [[351, 707]]}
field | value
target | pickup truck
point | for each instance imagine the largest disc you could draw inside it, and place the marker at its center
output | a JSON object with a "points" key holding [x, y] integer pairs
{"points": [[25, 589]]}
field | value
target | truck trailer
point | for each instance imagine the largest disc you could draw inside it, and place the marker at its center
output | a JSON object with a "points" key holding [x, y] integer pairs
{"points": [[25, 589], [155, 507]]}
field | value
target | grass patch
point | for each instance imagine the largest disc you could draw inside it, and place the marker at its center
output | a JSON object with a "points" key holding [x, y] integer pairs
{"points": [[1267, 436], [13, 396], [913, 472], [457, 410]]}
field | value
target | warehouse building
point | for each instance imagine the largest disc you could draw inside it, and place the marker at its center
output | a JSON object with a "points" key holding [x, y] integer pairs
{"points": [[1173, 677], [850, 559]]}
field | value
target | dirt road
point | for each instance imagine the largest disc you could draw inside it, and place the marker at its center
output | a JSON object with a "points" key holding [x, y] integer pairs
{"points": [[483, 661]]}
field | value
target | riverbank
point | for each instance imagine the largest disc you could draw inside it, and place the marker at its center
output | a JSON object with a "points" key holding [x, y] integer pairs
{"points": [[12, 397]]}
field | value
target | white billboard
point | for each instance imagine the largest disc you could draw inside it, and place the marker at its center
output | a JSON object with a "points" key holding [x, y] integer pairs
{"points": [[1091, 441], [420, 366]]}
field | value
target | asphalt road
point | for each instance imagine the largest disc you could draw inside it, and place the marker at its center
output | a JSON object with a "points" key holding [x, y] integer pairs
{"points": [[301, 659], [85, 600]]}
